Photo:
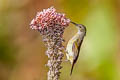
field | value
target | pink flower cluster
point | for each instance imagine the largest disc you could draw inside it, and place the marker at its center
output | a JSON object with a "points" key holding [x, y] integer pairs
{"points": [[49, 17], [51, 26]]}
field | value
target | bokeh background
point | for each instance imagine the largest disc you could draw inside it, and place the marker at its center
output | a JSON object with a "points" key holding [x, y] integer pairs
{"points": [[22, 52]]}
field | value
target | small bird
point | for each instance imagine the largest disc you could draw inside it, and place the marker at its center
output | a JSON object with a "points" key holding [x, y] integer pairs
{"points": [[74, 45]]}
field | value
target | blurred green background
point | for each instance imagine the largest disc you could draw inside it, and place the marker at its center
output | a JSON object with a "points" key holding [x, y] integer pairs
{"points": [[22, 52]]}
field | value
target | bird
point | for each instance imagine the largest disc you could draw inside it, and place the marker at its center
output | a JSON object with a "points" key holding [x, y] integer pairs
{"points": [[74, 45]]}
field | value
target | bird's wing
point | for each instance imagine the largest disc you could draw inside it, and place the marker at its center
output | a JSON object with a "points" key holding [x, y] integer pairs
{"points": [[77, 46], [75, 49]]}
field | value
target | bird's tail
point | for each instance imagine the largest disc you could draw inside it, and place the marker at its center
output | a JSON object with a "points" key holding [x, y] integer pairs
{"points": [[72, 69]]}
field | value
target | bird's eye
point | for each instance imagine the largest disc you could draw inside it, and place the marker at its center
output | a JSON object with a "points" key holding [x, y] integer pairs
{"points": [[80, 27]]}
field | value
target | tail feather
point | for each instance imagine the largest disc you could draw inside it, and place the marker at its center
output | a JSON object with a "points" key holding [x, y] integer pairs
{"points": [[72, 69]]}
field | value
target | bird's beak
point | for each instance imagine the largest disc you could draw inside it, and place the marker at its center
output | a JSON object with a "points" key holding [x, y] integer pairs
{"points": [[74, 23]]}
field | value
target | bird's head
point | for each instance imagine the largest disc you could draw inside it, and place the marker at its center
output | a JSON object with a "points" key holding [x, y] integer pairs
{"points": [[81, 27]]}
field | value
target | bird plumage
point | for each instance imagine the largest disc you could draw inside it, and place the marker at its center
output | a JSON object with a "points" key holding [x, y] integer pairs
{"points": [[74, 45]]}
